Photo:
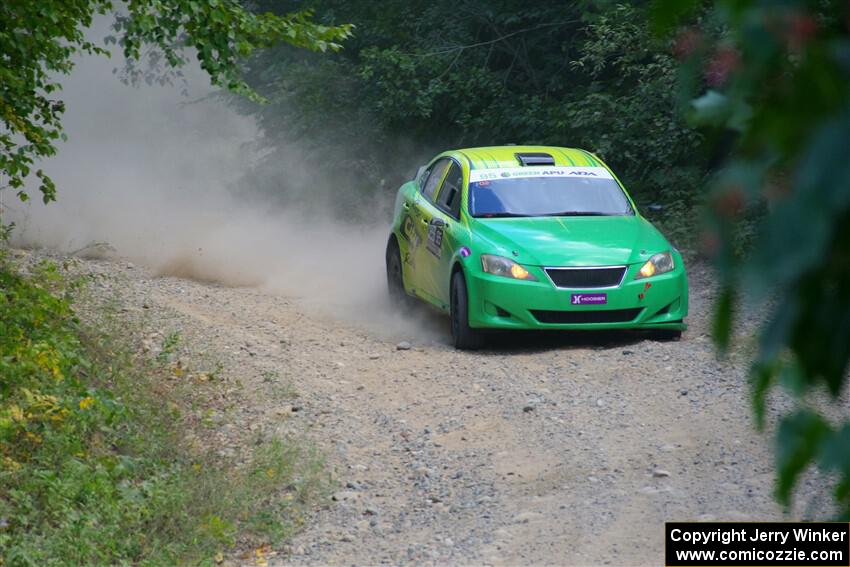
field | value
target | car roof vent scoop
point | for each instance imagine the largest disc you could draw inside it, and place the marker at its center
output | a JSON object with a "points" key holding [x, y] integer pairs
{"points": [[535, 159]]}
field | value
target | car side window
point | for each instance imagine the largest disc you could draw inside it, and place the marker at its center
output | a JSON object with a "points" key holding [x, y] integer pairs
{"points": [[424, 177], [448, 199], [434, 178]]}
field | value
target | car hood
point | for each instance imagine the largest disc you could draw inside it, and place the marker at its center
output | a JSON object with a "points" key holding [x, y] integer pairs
{"points": [[569, 241]]}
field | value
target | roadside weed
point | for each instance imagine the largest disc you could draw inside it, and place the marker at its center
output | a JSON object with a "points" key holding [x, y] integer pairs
{"points": [[95, 466]]}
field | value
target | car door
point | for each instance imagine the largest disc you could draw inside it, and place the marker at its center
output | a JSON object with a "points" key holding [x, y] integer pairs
{"points": [[421, 213], [443, 214], [414, 227]]}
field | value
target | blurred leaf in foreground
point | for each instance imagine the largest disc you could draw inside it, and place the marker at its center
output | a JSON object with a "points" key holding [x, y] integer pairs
{"points": [[778, 75]]}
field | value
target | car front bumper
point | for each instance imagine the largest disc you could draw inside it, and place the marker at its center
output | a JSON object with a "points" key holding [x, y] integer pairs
{"points": [[658, 302]]}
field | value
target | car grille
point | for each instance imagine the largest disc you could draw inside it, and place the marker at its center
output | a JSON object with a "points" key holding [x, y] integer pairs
{"points": [[586, 278], [584, 317]]}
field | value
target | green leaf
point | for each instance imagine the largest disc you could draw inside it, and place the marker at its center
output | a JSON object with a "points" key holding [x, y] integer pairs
{"points": [[835, 457], [761, 379], [666, 14], [723, 317], [793, 379], [712, 109], [798, 442]]}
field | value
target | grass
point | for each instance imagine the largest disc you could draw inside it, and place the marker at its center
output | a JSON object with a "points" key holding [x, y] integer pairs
{"points": [[283, 389], [94, 463]]}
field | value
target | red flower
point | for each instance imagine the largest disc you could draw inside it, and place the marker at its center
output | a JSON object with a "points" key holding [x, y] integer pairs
{"points": [[800, 28], [688, 41], [724, 62], [710, 243], [730, 203]]}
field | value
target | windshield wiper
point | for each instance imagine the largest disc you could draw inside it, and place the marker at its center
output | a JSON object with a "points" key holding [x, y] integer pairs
{"points": [[560, 214], [580, 214], [500, 215]]}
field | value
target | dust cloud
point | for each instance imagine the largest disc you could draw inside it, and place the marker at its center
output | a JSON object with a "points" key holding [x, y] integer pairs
{"points": [[156, 174]]}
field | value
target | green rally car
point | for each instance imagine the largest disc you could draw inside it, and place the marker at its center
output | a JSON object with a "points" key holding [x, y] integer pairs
{"points": [[531, 237]]}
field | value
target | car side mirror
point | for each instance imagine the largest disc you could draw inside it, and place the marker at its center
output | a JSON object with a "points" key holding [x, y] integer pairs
{"points": [[655, 208], [419, 173]]}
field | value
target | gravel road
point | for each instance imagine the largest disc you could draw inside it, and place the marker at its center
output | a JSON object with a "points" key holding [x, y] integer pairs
{"points": [[569, 449]]}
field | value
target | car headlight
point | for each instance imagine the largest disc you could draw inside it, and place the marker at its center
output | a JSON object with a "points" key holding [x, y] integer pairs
{"points": [[658, 264], [500, 266]]}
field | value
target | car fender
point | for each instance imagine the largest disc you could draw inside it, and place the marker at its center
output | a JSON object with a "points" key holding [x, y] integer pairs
{"points": [[463, 257]]}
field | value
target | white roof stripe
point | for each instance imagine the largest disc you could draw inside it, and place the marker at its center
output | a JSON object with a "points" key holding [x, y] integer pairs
{"points": [[494, 174]]}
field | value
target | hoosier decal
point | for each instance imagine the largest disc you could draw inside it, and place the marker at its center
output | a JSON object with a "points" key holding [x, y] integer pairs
{"points": [[589, 299]]}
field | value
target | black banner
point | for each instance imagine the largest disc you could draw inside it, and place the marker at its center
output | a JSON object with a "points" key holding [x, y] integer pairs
{"points": [[757, 544]]}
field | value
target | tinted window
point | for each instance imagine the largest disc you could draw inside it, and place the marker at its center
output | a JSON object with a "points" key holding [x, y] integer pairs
{"points": [[547, 196], [449, 198], [423, 177], [434, 178]]}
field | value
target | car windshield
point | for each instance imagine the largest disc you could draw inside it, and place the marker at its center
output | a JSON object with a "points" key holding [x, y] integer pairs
{"points": [[551, 192]]}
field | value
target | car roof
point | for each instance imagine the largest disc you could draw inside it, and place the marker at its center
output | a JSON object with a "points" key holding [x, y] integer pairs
{"points": [[505, 156]]}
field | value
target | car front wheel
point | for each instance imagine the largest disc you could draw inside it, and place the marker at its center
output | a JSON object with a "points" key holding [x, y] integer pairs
{"points": [[465, 337]]}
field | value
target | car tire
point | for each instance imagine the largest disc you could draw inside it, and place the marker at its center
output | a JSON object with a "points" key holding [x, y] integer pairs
{"points": [[464, 336], [395, 275]]}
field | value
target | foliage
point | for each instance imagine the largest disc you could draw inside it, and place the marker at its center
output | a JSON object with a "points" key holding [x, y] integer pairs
{"points": [[779, 77], [39, 39], [92, 466], [420, 77]]}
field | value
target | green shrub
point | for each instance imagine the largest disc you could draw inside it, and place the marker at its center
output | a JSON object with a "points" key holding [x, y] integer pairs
{"points": [[93, 467]]}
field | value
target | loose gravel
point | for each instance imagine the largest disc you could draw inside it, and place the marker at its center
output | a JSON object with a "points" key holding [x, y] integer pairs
{"points": [[569, 449]]}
